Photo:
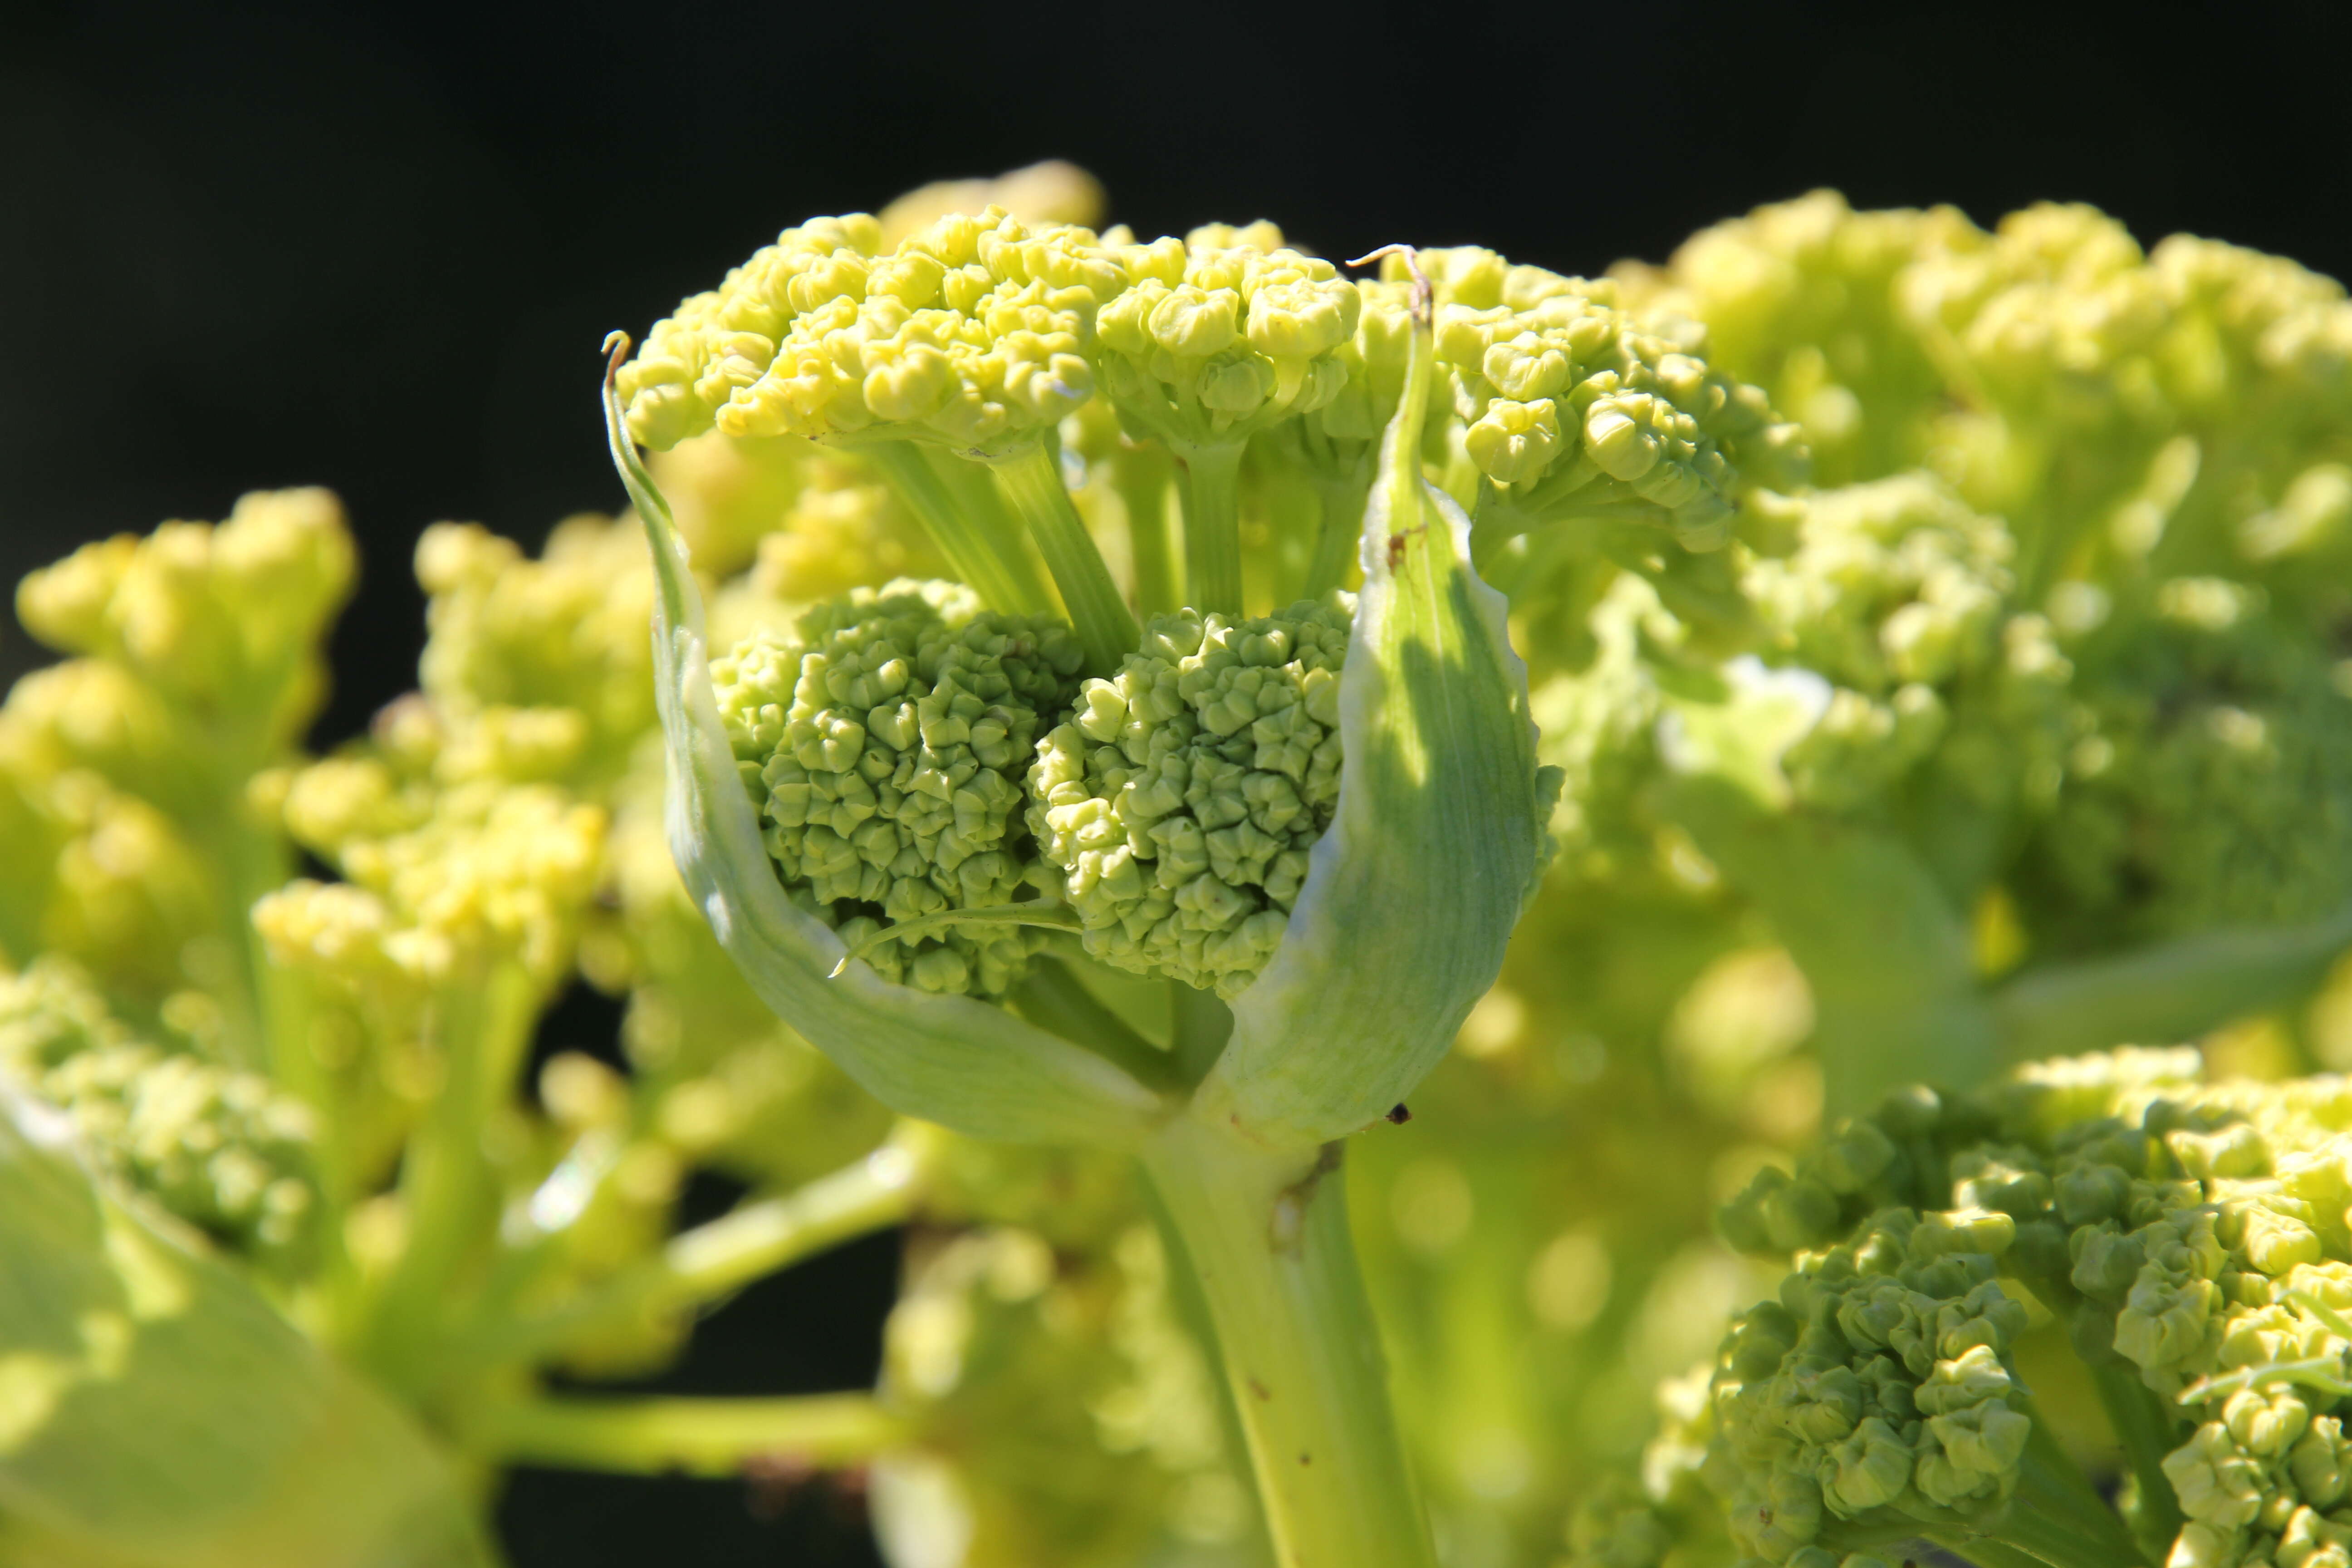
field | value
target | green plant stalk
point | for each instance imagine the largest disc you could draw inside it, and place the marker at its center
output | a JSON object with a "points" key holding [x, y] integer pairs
{"points": [[2140, 1425], [2054, 1516], [1342, 531], [1213, 526], [715, 1258], [1032, 484], [996, 567], [716, 1437], [1266, 1234], [447, 1187], [1142, 475]]}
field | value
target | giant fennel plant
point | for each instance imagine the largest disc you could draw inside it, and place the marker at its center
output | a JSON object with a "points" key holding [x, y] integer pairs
{"points": [[1080, 784]]}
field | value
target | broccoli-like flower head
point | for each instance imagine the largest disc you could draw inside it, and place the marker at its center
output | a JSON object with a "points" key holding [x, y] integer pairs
{"points": [[562, 632], [2210, 784], [1903, 599], [885, 745], [1879, 1381], [1180, 801], [1222, 334], [2191, 1238], [1570, 405], [975, 333], [452, 821], [205, 612], [222, 1150]]}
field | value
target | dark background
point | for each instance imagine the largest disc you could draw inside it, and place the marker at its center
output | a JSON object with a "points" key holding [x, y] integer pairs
{"points": [[375, 246]]}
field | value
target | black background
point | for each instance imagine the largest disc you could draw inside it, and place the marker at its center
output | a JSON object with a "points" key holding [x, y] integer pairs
{"points": [[375, 246]]}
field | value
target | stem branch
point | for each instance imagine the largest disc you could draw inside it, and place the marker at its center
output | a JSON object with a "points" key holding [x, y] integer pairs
{"points": [[695, 1437], [1213, 526], [721, 1256], [1029, 481], [993, 566]]}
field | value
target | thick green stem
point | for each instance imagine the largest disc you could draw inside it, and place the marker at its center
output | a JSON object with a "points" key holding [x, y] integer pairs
{"points": [[2145, 1429], [1266, 1234], [693, 1436], [1143, 475], [1213, 526], [1034, 485], [994, 564]]}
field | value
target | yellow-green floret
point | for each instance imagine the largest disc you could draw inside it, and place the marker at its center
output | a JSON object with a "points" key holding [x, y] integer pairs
{"points": [[1181, 800], [884, 742]]}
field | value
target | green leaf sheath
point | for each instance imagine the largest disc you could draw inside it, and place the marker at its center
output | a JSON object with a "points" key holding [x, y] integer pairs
{"points": [[160, 1413], [1033, 485], [1212, 528], [1412, 892], [1266, 1234], [990, 559], [948, 1059]]}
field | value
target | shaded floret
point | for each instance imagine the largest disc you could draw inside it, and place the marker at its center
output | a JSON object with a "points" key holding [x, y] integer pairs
{"points": [[2191, 1237], [223, 1150], [884, 742], [1903, 600], [1180, 801]]}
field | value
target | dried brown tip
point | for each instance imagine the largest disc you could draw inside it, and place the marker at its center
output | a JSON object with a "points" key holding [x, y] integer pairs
{"points": [[616, 349], [1421, 291]]}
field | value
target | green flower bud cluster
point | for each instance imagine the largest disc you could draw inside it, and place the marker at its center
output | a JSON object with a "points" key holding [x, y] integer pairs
{"points": [[1570, 405], [450, 822], [1063, 1413], [221, 1149], [1224, 334], [220, 618], [1903, 599], [1182, 798], [884, 746], [128, 771], [2208, 779], [974, 334], [1043, 194], [560, 633], [2189, 1236]]}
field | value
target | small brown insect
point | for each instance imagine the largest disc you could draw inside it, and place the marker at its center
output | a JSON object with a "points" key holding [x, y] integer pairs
{"points": [[1399, 1114], [1396, 544]]}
